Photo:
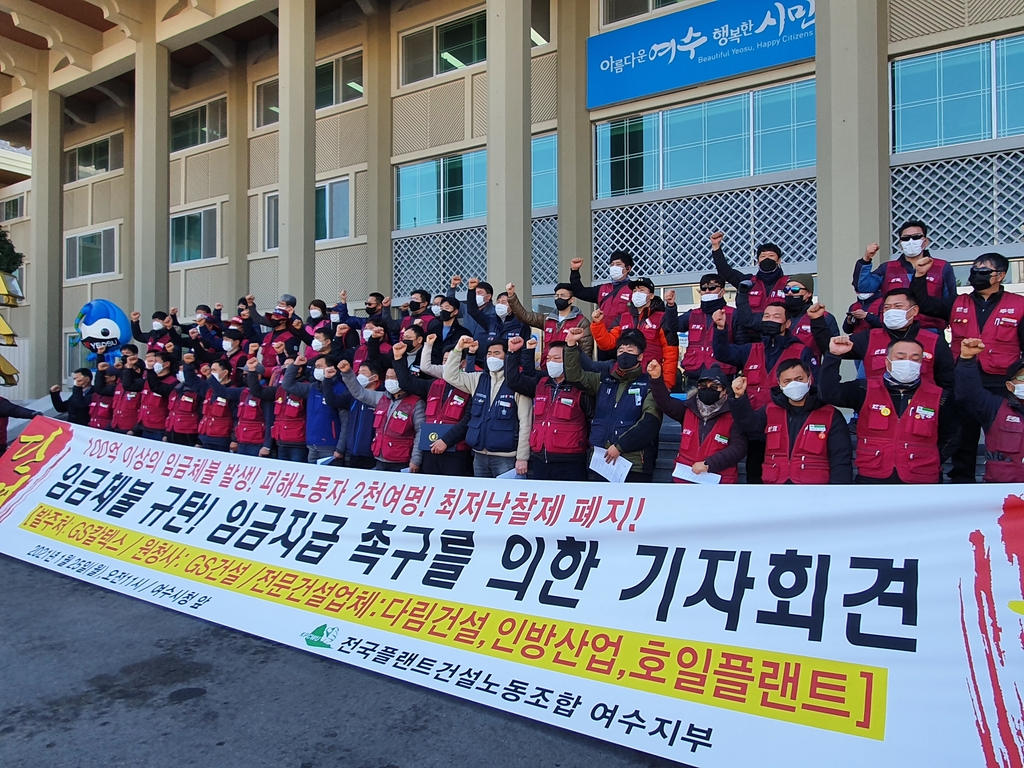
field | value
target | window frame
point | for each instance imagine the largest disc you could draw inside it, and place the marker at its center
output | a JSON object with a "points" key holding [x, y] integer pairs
{"points": [[203, 106], [77, 235], [443, 191], [3, 208], [327, 185], [257, 126], [267, 197], [65, 160], [337, 62], [201, 211], [435, 54], [533, 172], [68, 368], [652, 11]]}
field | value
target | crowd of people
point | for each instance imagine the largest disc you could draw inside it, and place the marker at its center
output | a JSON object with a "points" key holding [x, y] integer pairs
{"points": [[444, 386]]}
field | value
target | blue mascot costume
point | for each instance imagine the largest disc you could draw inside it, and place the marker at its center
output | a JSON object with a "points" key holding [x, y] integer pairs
{"points": [[102, 328]]}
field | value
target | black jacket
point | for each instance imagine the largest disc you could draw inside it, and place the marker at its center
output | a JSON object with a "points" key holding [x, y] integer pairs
{"points": [[76, 406]]}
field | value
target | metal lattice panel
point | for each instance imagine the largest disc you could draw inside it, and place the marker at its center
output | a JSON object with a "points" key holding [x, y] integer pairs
{"points": [[670, 237], [545, 250], [971, 201], [428, 261]]}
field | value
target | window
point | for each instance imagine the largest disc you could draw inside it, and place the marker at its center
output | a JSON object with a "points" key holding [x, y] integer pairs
{"points": [[194, 236], [544, 152], [540, 22], [272, 222], [332, 219], [1010, 86], [93, 159], [200, 125], [89, 254], [442, 190], [617, 10], [76, 355], [267, 110], [708, 141], [13, 208], [459, 44], [342, 77]]}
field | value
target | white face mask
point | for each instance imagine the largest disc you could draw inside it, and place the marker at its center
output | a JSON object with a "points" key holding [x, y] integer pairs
{"points": [[315, 314], [436, 309], [616, 273], [1018, 391], [501, 310], [158, 368], [912, 247], [367, 333], [317, 345], [639, 299], [495, 364], [364, 381], [180, 376], [796, 390], [200, 316], [895, 319], [335, 317], [157, 325], [226, 345], [392, 386], [709, 297], [905, 371], [555, 369], [480, 300], [318, 374], [864, 296]]}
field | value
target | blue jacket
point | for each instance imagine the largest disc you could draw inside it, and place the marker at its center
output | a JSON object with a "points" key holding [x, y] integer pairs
{"points": [[359, 431], [323, 422]]}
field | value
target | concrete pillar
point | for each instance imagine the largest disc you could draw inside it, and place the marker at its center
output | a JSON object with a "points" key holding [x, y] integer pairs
{"points": [[509, 239], [853, 140], [152, 172], [236, 210], [46, 209], [380, 181], [295, 261], [575, 222]]}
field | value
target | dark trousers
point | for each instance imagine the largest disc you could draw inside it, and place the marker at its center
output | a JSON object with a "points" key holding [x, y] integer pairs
{"points": [[571, 468], [362, 462], [389, 466], [216, 443], [452, 463], [249, 449], [965, 454], [755, 458], [292, 452], [179, 438], [153, 434]]}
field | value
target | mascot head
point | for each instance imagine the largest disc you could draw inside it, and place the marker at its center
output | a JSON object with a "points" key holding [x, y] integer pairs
{"points": [[102, 327]]}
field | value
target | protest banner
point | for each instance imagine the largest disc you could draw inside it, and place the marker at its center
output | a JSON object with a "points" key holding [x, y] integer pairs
{"points": [[712, 625]]}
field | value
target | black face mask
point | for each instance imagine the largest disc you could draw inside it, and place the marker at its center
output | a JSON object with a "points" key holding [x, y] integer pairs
{"points": [[445, 315], [561, 304], [708, 395], [415, 306], [767, 265], [627, 360], [980, 281], [796, 305], [770, 328], [372, 310]]}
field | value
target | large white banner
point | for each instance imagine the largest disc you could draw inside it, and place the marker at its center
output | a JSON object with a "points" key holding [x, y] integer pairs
{"points": [[716, 626]]}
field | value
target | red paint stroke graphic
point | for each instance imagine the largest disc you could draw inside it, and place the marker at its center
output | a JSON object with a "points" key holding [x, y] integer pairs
{"points": [[994, 693]]}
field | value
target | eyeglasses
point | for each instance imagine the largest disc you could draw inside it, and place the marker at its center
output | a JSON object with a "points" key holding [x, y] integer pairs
{"points": [[710, 288], [908, 238], [793, 289], [983, 271]]}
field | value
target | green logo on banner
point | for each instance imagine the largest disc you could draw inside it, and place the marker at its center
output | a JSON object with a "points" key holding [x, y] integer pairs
{"points": [[321, 637]]}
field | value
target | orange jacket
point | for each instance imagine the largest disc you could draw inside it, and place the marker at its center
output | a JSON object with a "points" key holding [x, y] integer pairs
{"points": [[607, 339]]}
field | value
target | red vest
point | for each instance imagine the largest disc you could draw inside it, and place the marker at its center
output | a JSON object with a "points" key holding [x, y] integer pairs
{"points": [[872, 308], [555, 331], [421, 320], [896, 277], [251, 428], [238, 361], [879, 341], [363, 351], [650, 328], [760, 380], [802, 331], [807, 464], [692, 450], [760, 297], [908, 444], [559, 423], [125, 409], [153, 407], [183, 409], [217, 417], [614, 303], [160, 343], [100, 411], [699, 338], [447, 410], [394, 435], [289, 419], [1002, 347], [1004, 447], [267, 350]]}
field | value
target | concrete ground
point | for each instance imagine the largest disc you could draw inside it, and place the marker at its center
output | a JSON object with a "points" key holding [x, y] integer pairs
{"points": [[92, 678]]}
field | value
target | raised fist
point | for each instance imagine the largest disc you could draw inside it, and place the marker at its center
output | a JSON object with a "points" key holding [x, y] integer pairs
{"points": [[515, 343], [532, 344], [297, 324], [251, 364], [330, 372], [278, 346], [510, 289], [597, 316], [431, 339], [924, 263], [573, 336], [377, 332], [739, 386], [816, 311], [971, 348], [188, 358], [670, 297], [218, 307], [341, 330], [473, 346], [253, 348], [840, 345], [344, 366], [456, 281], [300, 361], [136, 316], [399, 350], [871, 251], [55, 388], [250, 299], [103, 367], [387, 302], [654, 369], [719, 317], [576, 264], [174, 312], [716, 240], [343, 296], [472, 283]]}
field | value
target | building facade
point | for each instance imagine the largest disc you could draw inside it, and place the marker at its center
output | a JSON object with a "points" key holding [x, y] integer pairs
{"points": [[194, 151]]}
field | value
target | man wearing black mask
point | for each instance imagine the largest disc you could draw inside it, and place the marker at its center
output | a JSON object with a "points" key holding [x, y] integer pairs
{"points": [[700, 328], [764, 286], [419, 310], [759, 363], [799, 299], [988, 313], [447, 328]]}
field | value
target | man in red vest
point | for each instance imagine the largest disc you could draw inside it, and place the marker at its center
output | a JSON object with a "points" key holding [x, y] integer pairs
{"points": [[555, 325], [903, 417], [807, 442], [611, 298], [1001, 416], [710, 440], [762, 287], [699, 326], [897, 273], [988, 313]]}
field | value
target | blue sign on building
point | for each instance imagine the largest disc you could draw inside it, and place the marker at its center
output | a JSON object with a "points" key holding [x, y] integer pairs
{"points": [[718, 40]]}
